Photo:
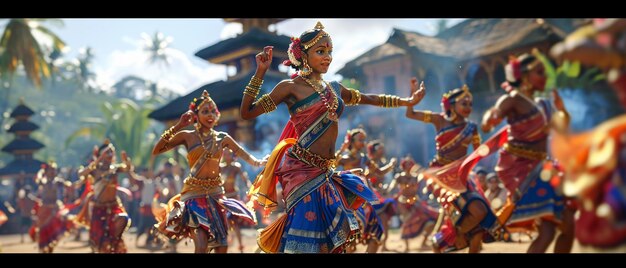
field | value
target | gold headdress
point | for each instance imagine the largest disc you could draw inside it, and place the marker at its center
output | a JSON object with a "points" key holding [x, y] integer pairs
{"points": [[451, 97], [464, 93], [206, 98], [320, 34]]}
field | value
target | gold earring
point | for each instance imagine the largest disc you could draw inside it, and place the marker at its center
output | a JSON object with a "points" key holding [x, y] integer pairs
{"points": [[306, 69]]}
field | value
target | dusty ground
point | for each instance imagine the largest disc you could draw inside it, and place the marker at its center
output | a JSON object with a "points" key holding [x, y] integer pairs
{"points": [[12, 244]]}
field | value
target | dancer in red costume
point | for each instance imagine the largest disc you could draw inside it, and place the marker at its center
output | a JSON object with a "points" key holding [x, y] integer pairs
{"points": [[523, 155], [467, 212], [319, 201], [103, 212], [52, 218]]}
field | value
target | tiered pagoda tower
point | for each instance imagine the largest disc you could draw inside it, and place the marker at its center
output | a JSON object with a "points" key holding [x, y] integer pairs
{"points": [[23, 146]]}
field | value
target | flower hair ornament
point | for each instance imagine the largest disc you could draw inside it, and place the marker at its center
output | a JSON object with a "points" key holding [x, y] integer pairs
{"points": [[204, 98], [513, 74], [297, 48], [294, 52], [451, 97], [517, 66]]}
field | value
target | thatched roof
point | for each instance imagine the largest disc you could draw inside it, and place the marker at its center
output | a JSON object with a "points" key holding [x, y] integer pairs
{"points": [[469, 39]]}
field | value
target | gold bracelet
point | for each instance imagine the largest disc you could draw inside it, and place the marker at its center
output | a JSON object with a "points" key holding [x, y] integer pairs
{"points": [[256, 82], [394, 101], [382, 101], [251, 91], [168, 134], [267, 103], [389, 101], [427, 116], [355, 97]]}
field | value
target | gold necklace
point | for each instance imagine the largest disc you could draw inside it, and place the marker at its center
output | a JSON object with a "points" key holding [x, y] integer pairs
{"points": [[332, 108], [213, 137]]}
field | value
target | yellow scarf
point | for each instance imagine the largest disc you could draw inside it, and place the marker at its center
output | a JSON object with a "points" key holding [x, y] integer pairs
{"points": [[263, 189]]}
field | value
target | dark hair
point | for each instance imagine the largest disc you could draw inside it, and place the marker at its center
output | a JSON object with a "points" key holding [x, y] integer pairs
{"points": [[353, 133], [104, 145], [454, 94], [450, 98], [524, 60], [304, 38]]}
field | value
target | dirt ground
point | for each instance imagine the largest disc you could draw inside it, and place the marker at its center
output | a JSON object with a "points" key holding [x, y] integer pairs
{"points": [[12, 244]]}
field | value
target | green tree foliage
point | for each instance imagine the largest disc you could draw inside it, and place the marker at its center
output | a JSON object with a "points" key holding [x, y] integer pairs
{"points": [[126, 124], [19, 46]]}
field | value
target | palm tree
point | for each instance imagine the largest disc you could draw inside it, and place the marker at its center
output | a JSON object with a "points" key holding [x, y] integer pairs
{"points": [[127, 125], [19, 45], [157, 47], [85, 74]]}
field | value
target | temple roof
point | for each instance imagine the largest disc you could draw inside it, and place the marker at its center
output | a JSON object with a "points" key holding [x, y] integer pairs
{"points": [[253, 38], [22, 144], [226, 94], [481, 37], [21, 110], [423, 43], [472, 38], [28, 166], [23, 126]]}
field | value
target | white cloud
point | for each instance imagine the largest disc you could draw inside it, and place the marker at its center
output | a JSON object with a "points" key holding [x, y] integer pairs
{"points": [[231, 30], [351, 38], [181, 75]]}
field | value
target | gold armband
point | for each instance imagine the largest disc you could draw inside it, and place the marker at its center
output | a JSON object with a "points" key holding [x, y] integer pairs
{"points": [[355, 97], [427, 117], [267, 103]]}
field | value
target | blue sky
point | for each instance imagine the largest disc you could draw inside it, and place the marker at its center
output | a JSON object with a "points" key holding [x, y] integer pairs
{"points": [[117, 44]]}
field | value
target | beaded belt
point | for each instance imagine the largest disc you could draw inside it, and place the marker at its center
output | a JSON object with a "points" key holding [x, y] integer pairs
{"points": [[210, 182], [524, 152], [312, 159]]}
